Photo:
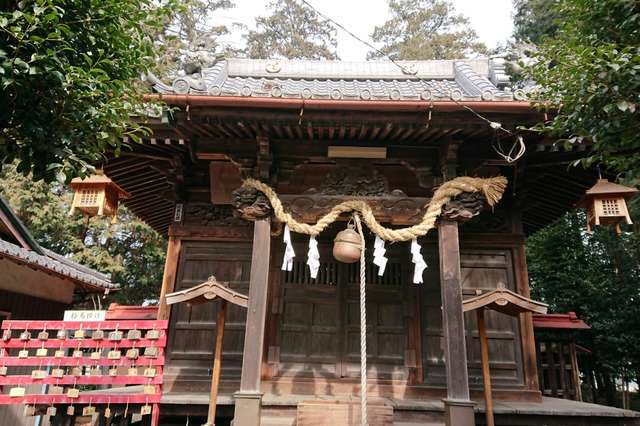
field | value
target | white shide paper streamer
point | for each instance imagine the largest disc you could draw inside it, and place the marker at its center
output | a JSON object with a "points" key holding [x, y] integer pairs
{"points": [[418, 260], [379, 257], [313, 257], [289, 254]]}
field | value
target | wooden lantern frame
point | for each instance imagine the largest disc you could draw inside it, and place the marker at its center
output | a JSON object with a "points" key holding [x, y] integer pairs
{"points": [[96, 195], [210, 291], [606, 204], [507, 302]]}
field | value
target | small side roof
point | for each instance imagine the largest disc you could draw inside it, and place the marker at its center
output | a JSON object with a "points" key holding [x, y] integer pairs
{"points": [[19, 245], [505, 301], [568, 321]]}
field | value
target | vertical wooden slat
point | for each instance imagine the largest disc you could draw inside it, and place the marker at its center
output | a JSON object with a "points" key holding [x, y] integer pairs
{"points": [[575, 372], [551, 368], [169, 276], [526, 322]]}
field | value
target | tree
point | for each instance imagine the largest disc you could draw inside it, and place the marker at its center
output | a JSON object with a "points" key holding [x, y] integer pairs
{"points": [[588, 76], [129, 250], [598, 277], [68, 80], [425, 29], [293, 31], [190, 29], [533, 20]]}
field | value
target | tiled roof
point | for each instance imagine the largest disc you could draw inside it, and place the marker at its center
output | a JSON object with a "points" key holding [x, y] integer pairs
{"points": [[55, 263], [478, 79], [41, 258]]}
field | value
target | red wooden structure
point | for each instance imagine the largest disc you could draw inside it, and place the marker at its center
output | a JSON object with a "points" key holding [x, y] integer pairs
{"points": [[81, 362]]}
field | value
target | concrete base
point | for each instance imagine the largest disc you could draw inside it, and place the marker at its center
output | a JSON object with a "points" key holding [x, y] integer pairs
{"points": [[459, 412], [247, 412]]}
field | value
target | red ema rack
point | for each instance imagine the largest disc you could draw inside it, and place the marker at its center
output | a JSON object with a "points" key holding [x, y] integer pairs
{"points": [[49, 363]]}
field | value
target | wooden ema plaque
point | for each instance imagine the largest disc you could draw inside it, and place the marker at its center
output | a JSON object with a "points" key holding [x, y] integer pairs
{"points": [[77, 360]]}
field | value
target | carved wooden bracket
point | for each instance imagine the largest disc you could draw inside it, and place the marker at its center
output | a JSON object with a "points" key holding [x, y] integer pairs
{"points": [[464, 207], [251, 204]]}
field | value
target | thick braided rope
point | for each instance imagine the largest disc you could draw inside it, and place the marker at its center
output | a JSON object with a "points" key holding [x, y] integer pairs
{"points": [[363, 328], [492, 188]]}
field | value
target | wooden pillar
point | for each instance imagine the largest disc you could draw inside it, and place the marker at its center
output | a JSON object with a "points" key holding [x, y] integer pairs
{"points": [[458, 406], [249, 398], [486, 371], [169, 276], [217, 361]]}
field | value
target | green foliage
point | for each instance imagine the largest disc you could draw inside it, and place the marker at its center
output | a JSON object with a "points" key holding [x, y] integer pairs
{"points": [[589, 75], [426, 29], [598, 277], [293, 31], [67, 80], [129, 250], [533, 20]]}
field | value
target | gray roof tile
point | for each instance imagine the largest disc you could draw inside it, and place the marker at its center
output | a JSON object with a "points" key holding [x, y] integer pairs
{"points": [[417, 80]]}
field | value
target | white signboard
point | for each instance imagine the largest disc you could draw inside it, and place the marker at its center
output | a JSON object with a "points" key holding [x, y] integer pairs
{"points": [[84, 315]]}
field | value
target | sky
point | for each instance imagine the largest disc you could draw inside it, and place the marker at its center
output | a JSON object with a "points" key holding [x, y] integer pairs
{"points": [[491, 19]]}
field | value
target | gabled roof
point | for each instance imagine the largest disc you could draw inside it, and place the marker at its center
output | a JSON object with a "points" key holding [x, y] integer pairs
{"points": [[459, 80], [30, 252]]}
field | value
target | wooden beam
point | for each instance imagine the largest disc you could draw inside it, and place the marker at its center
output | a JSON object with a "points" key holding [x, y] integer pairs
{"points": [[169, 276], [458, 406]]}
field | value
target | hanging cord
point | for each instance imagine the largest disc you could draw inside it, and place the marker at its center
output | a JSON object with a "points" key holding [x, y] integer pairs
{"points": [[363, 327]]}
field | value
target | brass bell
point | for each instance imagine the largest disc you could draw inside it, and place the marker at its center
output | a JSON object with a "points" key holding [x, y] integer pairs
{"points": [[347, 245]]}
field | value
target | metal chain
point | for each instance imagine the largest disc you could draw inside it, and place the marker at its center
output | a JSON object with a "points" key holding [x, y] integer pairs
{"points": [[363, 328]]}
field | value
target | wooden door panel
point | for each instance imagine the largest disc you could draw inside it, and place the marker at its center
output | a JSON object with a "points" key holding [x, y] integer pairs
{"points": [[192, 330], [319, 321]]}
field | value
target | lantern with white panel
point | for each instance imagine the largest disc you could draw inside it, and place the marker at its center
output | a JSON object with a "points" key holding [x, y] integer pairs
{"points": [[96, 195], [606, 204]]}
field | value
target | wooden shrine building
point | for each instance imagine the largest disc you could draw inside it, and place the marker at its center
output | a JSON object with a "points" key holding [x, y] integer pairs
{"points": [[319, 133]]}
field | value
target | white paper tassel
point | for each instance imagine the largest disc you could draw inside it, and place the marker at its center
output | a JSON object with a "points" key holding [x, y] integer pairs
{"points": [[313, 257], [379, 257], [418, 260], [289, 254]]}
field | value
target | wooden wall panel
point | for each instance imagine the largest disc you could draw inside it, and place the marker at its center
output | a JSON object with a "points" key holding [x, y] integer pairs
{"points": [[482, 270], [192, 328]]}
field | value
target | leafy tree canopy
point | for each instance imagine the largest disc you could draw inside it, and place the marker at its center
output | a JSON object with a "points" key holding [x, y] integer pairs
{"points": [[588, 73], [598, 277], [425, 29], [68, 73], [292, 31], [129, 250], [534, 20]]}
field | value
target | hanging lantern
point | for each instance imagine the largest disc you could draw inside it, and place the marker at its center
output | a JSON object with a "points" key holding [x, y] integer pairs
{"points": [[347, 245], [606, 204], [96, 195]]}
